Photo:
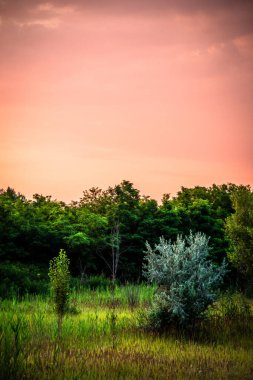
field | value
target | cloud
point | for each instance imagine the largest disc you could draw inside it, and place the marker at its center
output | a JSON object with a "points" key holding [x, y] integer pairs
{"points": [[48, 23], [145, 6], [33, 13], [217, 21], [20, 8]]}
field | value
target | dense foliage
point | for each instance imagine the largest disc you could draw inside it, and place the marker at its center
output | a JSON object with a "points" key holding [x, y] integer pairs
{"points": [[187, 279], [20, 279], [107, 225], [239, 228]]}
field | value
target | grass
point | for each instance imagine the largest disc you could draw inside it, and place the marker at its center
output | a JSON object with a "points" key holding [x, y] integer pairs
{"points": [[101, 342]]}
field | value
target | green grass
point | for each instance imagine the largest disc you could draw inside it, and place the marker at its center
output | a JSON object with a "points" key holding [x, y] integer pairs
{"points": [[101, 342]]}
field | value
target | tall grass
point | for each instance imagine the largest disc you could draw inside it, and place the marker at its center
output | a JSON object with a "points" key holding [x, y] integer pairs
{"points": [[93, 345], [123, 296]]}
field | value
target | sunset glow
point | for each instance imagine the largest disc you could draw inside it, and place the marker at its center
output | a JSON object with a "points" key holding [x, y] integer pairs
{"points": [[155, 92]]}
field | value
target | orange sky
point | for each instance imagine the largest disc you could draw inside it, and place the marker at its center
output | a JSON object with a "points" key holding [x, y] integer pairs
{"points": [[155, 92]]}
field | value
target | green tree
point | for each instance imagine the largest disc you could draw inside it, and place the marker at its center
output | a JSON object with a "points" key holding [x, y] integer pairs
{"points": [[239, 229], [14, 226], [60, 281], [205, 209], [119, 205], [85, 237]]}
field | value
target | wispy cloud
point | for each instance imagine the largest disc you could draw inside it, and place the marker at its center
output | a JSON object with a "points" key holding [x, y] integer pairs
{"points": [[33, 13], [50, 23]]}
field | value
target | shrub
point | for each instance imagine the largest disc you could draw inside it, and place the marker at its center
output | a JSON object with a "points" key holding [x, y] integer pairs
{"points": [[187, 280], [231, 306], [16, 279], [60, 279]]}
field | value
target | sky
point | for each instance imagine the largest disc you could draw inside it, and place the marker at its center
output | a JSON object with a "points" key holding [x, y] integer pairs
{"points": [[155, 92]]}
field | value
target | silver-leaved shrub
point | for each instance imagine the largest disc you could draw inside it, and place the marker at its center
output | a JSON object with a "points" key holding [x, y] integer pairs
{"points": [[187, 280]]}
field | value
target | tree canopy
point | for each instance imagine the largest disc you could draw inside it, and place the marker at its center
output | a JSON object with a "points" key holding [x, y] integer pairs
{"points": [[33, 231], [239, 228]]}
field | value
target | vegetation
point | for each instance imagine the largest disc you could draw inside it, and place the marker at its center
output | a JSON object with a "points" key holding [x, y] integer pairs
{"points": [[17, 279], [239, 228], [60, 278], [105, 232], [220, 348], [187, 279], [109, 329]]}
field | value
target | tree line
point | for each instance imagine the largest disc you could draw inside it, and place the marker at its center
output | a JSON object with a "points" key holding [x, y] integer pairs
{"points": [[106, 230]]}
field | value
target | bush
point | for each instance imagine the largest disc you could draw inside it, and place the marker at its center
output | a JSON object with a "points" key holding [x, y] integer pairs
{"points": [[231, 306], [60, 284], [187, 280], [18, 279]]}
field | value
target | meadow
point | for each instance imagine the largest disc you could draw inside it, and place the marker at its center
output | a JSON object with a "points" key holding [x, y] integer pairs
{"points": [[104, 337]]}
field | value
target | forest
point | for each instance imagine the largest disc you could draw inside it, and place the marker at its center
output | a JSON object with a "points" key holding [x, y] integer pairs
{"points": [[104, 233]]}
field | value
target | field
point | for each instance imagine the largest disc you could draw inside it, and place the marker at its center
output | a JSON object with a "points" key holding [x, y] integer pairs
{"points": [[105, 338]]}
